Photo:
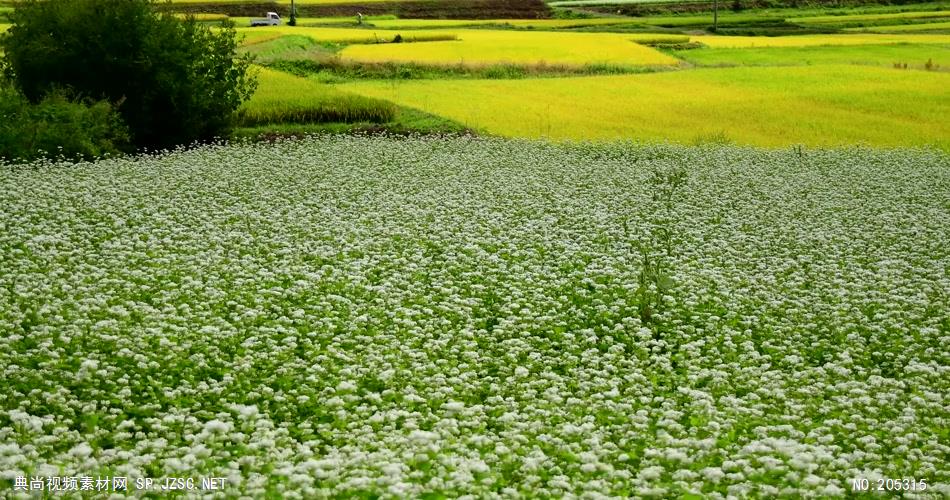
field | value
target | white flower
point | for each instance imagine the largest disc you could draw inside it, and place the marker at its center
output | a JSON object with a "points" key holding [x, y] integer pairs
{"points": [[81, 450]]}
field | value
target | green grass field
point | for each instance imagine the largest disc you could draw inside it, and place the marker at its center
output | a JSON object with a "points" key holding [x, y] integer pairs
{"points": [[816, 40], [942, 27], [270, 50], [773, 107], [283, 98], [914, 55], [857, 18]]}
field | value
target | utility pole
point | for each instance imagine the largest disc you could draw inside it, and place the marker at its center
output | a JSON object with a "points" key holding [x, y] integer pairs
{"points": [[293, 13], [715, 15]]}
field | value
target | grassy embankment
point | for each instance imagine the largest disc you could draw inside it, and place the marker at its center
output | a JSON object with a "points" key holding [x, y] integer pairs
{"points": [[929, 28], [285, 104]]}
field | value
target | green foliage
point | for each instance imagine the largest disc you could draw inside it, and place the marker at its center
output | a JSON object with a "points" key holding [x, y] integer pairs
{"points": [[173, 81], [57, 126], [284, 98], [656, 245]]}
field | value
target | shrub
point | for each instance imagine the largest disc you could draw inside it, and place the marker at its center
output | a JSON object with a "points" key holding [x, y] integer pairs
{"points": [[173, 81], [57, 126]]}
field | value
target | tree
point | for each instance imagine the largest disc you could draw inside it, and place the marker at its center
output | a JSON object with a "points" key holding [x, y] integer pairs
{"points": [[57, 127], [715, 15], [172, 80]]}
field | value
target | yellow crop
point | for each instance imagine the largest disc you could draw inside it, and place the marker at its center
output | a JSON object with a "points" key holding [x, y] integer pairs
{"points": [[520, 23], [765, 106], [809, 40], [250, 37], [203, 16], [519, 47]]}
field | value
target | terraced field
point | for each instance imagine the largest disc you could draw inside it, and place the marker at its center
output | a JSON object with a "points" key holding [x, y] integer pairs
{"points": [[769, 106], [816, 40], [943, 27], [925, 16], [517, 23], [916, 56], [492, 47]]}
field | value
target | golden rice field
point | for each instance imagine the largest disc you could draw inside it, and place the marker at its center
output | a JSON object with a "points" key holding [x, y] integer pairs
{"points": [[812, 40], [498, 46], [518, 23], [763, 106]]}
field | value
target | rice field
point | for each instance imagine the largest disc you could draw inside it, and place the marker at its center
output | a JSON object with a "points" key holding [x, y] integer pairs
{"points": [[815, 40], [890, 16], [284, 98], [478, 47], [251, 37], [915, 56], [351, 317], [286, 47], [207, 17], [903, 28], [763, 106], [516, 23]]}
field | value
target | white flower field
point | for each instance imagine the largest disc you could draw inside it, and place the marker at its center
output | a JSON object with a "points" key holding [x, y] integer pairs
{"points": [[406, 317]]}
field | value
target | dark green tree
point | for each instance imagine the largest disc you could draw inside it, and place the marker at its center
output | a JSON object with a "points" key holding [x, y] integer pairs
{"points": [[174, 81], [57, 127]]}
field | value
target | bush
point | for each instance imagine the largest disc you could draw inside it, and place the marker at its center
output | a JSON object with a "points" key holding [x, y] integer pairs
{"points": [[173, 81], [57, 126]]}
